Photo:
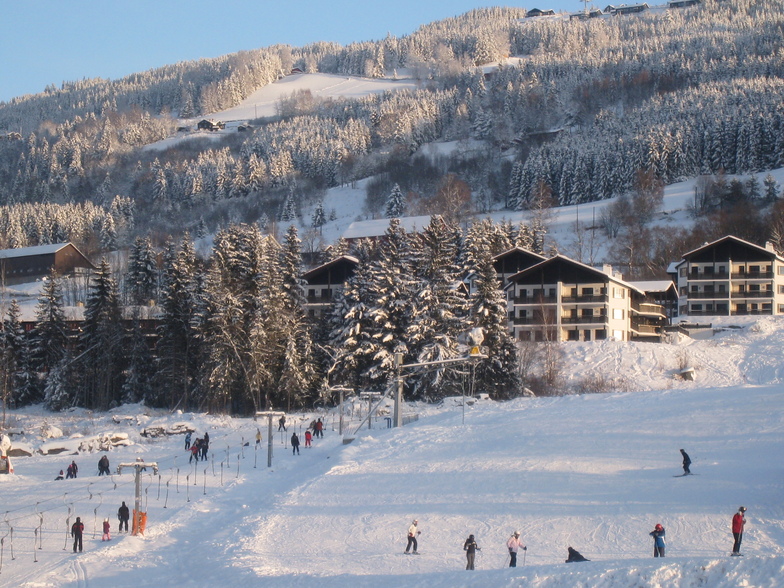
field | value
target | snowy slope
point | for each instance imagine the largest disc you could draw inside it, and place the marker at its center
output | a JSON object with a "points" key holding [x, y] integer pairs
{"points": [[594, 472]]}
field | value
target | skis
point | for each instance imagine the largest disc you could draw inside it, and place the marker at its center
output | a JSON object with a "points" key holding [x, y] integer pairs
{"points": [[682, 475], [412, 553], [736, 554]]}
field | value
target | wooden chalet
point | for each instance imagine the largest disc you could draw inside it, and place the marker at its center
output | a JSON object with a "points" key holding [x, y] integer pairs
{"points": [[626, 9], [682, 3], [211, 125], [535, 12], [324, 282], [28, 264], [376, 229]]}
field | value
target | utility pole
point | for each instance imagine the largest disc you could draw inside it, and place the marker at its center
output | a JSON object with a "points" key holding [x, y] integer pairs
{"points": [[269, 414], [139, 466]]}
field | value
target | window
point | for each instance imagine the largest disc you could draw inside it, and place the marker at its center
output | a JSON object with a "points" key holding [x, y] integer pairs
{"points": [[619, 293], [587, 291], [617, 335], [683, 271], [618, 314]]}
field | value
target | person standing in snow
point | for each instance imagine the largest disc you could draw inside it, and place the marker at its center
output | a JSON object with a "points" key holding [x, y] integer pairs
{"points": [[187, 441], [103, 466], [658, 541], [738, 522], [513, 545], [282, 423], [123, 514], [308, 437], [194, 451], [258, 436], [294, 444], [205, 445], [470, 547], [686, 462], [76, 532], [413, 532], [106, 531], [319, 432]]}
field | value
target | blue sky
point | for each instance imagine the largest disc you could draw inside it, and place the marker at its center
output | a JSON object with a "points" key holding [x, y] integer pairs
{"points": [[51, 41]]}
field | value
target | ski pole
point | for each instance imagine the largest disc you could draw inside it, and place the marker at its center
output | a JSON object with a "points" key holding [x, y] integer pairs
{"points": [[525, 552]]}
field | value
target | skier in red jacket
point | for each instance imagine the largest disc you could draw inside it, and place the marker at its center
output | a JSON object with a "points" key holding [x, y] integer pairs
{"points": [[738, 522]]}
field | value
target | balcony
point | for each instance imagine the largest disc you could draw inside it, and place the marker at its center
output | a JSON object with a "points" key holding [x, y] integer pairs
{"points": [[753, 294], [693, 276], [752, 275], [707, 295], [649, 308], [529, 300], [583, 320], [597, 299]]}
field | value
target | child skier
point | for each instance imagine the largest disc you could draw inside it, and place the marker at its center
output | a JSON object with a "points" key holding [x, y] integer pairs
{"points": [[658, 541]]}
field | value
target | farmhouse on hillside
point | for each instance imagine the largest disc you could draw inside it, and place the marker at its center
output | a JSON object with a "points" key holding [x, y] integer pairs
{"points": [[27, 264]]}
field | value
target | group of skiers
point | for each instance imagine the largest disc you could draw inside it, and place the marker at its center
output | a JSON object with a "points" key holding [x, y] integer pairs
{"points": [[77, 529], [514, 543], [199, 448], [316, 426], [70, 471]]}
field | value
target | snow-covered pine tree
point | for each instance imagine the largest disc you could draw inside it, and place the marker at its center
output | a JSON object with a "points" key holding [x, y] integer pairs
{"points": [[50, 336], [440, 312], [495, 375], [138, 376], [395, 203], [142, 279], [101, 343]]}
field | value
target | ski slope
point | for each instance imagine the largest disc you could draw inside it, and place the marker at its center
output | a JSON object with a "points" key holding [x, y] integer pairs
{"points": [[594, 472]]}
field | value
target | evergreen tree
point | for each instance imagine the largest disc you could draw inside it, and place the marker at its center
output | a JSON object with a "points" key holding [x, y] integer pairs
{"points": [[59, 389], [495, 375], [101, 342], [177, 348], [319, 218], [13, 350], [138, 377], [395, 203], [50, 336], [771, 188], [142, 277]]}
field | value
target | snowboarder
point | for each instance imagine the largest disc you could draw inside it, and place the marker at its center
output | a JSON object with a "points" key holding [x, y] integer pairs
{"points": [[308, 438], [658, 541], [106, 531], [319, 428], [76, 532], [413, 532], [294, 444], [470, 547], [738, 522], [282, 422], [513, 545], [60, 475], [103, 466], [574, 556], [686, 463], [187, 441], [123, 515]]}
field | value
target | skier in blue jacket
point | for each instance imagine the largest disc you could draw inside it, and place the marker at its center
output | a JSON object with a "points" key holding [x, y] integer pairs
{"points": [[658, 541]]}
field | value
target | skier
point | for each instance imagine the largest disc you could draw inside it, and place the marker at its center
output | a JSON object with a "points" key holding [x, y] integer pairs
{"points": [[513, 545], [76, 532], [282, 422], [686, 463], [470, 547], [74, 469], [308, 438], [574, 556], [205, 445], [123, 515], [103, 466], [319, 428], [69, 473], [738, 522], [658, 541], [194, 451], [412, 536], [106, 531], [187, 441], [294, 444], [258, 436]]}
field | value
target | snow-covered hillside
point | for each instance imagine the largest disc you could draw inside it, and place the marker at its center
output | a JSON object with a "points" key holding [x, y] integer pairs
{"points": [[594, 472]]}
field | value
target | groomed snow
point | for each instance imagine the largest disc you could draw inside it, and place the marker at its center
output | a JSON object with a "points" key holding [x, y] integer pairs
{"points": [[592, 471]]}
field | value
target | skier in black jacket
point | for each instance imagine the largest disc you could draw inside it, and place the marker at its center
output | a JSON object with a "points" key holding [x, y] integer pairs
{"points": [[123, 515], [470, 547], [686, 462]]}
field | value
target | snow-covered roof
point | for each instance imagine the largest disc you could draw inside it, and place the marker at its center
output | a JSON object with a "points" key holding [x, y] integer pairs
{"points": [[653, 285], [29, 251], [377, 227]]}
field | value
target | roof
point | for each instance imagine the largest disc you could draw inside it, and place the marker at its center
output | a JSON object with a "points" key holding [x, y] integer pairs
{"points": [[30, 251], [653, 285], [568, 261], [735, 243], [350, 259], [377, 227]]}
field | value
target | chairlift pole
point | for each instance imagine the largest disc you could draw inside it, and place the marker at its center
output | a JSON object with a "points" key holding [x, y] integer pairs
{"points": [[139, 467]]}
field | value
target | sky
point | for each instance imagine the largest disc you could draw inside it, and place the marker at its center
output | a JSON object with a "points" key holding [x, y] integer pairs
{"points": [[50, 41]]}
